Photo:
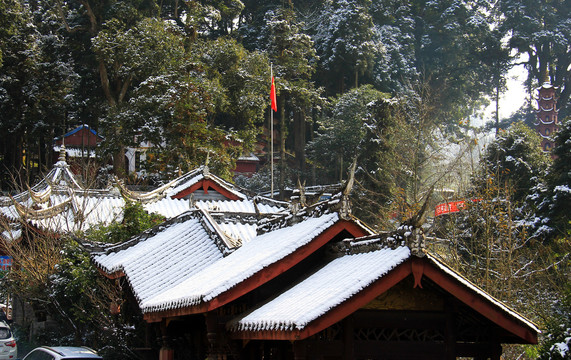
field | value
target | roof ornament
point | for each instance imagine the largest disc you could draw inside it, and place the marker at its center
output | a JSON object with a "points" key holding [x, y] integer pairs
{"points": [[191, 202], [299, 203], [62, 153], [206, 169], [301, 187], [345, 210], [415, 235], [546, 79]]}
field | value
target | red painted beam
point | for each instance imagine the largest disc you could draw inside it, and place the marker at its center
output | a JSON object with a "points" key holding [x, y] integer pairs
{"points": [[114, 275], [479, 303], [206, 184]]}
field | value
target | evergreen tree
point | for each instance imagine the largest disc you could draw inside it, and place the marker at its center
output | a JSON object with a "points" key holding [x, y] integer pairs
{"points": [[36, 93], [293, 55], [515, 158], [554, 198], [346, 43], [342, 132], [542, 32], [445, 45]]}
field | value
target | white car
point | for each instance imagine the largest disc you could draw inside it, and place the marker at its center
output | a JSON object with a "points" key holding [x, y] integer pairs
{"points": [[62, 352], [8, 347]]}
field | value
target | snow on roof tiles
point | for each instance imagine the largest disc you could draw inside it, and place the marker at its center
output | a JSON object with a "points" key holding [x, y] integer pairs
{"points": [[246, 261], [163, 260], [327, 288], [167, 207], [243, 232], [238, 206], [70, 213]]}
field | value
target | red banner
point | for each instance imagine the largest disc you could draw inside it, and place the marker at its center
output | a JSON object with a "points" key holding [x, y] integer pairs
{"points": [[5, 263], [449, 207], [274, 103]]}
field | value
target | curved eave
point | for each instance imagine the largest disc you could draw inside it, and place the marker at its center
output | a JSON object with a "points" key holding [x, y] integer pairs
{"points": [[262, 276], [112, 275], [419, 267], [547, 110]]}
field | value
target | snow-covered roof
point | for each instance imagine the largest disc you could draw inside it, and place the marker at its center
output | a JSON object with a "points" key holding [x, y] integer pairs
{"points": [[75, 152], [167, 207], [161, 259], [337, 281], [325, 289], [251, 258], [249, 157], [59, 203], [238, 206], [547, 85]]}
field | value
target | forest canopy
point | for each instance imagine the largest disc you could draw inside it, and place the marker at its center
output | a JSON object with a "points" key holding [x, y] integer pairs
{"points": [[185, 75]]}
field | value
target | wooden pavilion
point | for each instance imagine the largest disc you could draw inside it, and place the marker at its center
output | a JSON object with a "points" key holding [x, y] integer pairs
{"points": [[309, 284]]}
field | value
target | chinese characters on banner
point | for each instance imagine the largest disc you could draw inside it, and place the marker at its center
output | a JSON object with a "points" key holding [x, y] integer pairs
{"points": [[5, 263], [449, 207]]}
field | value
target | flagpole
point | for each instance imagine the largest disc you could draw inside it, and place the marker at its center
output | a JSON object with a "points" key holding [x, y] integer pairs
{"points": [[272, 137]]}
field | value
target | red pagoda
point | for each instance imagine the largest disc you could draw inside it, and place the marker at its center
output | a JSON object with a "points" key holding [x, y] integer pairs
{"points": [[547, 123]]}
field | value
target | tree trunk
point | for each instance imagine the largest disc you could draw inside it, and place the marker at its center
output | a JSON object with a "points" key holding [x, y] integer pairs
{"points": [[283, 136], [299, 140], [119, 162], [497, 107]]}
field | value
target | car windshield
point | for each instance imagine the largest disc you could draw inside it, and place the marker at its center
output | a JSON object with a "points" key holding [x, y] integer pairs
{"points": [[4, 333]]}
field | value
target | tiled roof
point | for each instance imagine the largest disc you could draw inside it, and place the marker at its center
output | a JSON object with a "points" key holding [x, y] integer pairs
{"points": [[167, 207], [244, 262], [323, 290], [62, 212], [239, 206], [161, 259], [339, 280], [59, 203]]}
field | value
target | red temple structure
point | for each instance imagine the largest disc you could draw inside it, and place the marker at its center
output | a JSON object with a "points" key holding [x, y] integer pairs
{"points": [[547, 123]]}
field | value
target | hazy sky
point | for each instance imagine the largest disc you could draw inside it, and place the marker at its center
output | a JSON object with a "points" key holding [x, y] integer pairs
{"points": [[511, 100]]}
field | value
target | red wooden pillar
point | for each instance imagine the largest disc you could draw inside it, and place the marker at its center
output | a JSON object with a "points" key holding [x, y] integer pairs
{"points": [[299, 350], [450, 332], [348, 344], [496, 351], [166, 352], [211, 334]]}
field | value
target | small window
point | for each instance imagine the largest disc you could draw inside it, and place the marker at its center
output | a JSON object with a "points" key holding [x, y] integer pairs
{"points": [[547, 146], [5, 333], [546, 132]]}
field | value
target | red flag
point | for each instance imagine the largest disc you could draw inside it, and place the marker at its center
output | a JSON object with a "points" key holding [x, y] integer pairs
{"points": [[273, 96]]}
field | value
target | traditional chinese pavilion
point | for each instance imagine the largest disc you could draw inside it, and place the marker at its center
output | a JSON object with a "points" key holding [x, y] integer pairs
{"points": [[314, 283]]}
